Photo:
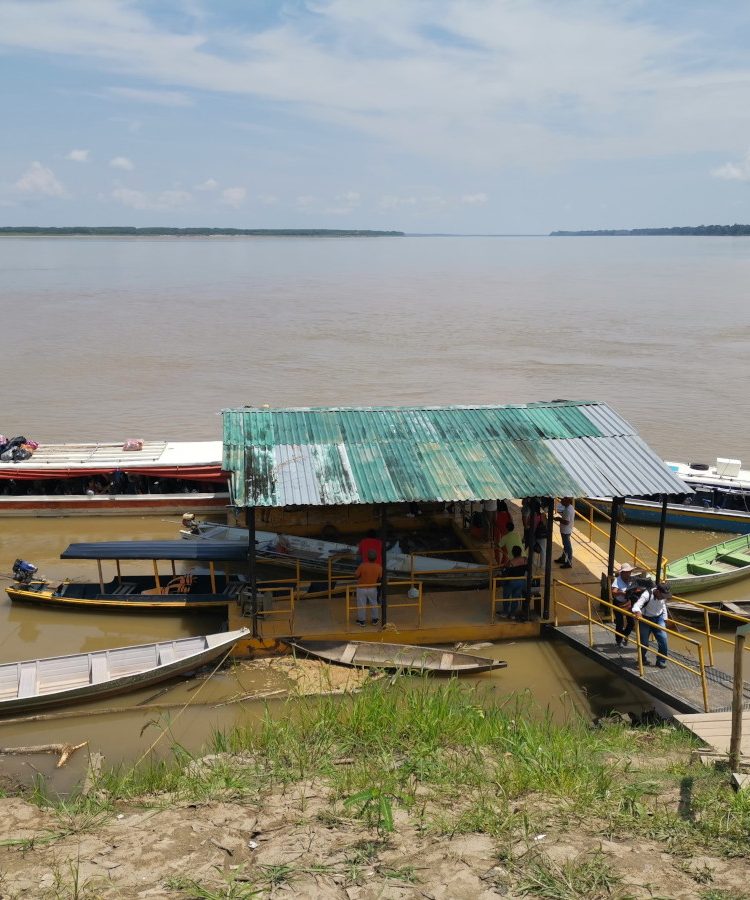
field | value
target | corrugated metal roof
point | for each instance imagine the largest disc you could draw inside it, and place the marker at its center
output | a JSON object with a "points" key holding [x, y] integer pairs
{"points": [[340, 456]]}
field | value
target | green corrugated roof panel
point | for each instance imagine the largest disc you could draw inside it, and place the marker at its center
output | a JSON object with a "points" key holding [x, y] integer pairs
{"points": [[339, 456]]}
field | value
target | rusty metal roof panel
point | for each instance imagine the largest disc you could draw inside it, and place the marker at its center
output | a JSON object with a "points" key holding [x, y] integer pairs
{"points": [[340, 456]]}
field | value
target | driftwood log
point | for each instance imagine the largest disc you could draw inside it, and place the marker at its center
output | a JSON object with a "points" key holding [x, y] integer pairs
{"points": [[65, 751]]}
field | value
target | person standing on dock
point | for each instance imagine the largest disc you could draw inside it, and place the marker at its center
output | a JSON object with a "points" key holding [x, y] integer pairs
{"points": [[368, 574], [371, 541], [651, 609], [620, 587], [566, 517]]}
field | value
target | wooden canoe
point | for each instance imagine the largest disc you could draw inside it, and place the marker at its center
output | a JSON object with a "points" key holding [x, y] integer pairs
{"points": [[376, 655], [712, 567], [29, 685]]}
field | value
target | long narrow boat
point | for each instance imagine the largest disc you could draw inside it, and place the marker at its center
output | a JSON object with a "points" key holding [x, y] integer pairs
{"points": [[104, 479], [35, 683], [315, 555], [408, 657], [193, 589], [719, 499], [712, 567]]}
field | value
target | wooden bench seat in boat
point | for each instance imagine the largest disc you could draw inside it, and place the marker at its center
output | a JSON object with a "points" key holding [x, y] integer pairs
{"points": [[166, 654], [735, 559], [99, 668], [27, 682], [697, 569]]}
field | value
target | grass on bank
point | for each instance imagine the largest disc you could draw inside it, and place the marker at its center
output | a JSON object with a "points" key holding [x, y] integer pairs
{"points": [[455, 761]]}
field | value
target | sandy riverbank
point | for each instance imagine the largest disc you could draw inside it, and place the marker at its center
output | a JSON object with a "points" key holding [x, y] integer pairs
{"points": [[402, 790]]}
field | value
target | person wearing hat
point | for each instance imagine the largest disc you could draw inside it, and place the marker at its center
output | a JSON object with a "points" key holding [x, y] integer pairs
{"points": [[651, 609], [620, 587], [565, 519]]}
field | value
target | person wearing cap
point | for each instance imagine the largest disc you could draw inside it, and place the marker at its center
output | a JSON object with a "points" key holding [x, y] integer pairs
{"points": [[620, 587], [565, 519], [651, 609]]}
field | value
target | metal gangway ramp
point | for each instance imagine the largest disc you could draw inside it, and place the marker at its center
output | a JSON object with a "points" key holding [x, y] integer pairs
{"points": [[690, 683]]}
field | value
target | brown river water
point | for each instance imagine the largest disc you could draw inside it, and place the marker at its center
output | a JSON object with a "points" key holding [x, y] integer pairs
{"points": [[116, 338]]}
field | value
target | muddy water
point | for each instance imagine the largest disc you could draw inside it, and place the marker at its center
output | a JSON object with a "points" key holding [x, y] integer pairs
{"points": [[106, 339]]}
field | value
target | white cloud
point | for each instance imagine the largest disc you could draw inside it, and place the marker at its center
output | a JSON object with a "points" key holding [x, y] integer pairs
{"points": [[478, 199], [268, 199], [734, 171], [121, 162], [160, 98], [304, 201], [233, 196], [38, 179], [210, 184], [143, 200], [80, 156], [489, 83]]}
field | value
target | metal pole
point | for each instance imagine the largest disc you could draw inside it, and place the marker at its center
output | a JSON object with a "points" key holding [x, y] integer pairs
{"points": [[615, 511], [251, 573], [548, 558], [735, 739], [529, 561], [662, 527], [384, 579]]}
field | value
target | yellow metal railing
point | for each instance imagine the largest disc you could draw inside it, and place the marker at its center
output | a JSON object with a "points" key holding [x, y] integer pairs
{"points": [[415, 604], [632, 554], [495, 600], [285, 595], [592, 620]]}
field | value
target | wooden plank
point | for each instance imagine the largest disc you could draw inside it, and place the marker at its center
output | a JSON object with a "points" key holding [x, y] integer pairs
{"points": [[99, 668], [740, 781], [446, 661], [348, 655], [27, 681], [166, 654]]}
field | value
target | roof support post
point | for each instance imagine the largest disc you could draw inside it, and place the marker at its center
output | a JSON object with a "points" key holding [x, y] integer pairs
{"points": [[662, 529], [529, 562], [548, 557], [615, 515], [384, 579], [251, 572]]}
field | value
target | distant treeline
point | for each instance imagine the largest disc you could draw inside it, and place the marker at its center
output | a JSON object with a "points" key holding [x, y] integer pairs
{"points": [[688, 229], [198, 232]]}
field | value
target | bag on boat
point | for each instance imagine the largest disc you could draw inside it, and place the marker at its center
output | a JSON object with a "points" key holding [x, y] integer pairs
{"points": [[31, 445], [19, 454], [6, 456], [133, 444]]}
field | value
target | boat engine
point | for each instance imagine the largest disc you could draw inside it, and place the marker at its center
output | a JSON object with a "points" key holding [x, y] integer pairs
{"points": [[23, 571]]}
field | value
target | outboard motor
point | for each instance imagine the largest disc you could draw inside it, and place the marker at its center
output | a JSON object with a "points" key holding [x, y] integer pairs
{"points": [[23, 571]]}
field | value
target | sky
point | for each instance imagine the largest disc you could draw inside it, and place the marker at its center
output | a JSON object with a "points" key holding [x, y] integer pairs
{"points": [[461, 116]]}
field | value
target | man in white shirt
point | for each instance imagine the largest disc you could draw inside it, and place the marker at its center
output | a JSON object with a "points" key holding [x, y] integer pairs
{"points": [[566, 516], [651, 609], [620, 587]]}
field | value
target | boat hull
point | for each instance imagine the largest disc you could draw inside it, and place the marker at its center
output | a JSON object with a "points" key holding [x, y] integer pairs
{"points": [[216, 645], [44, 505], [711, 567], [406, 657], [49, 597], [645, 512], [313, 556]]}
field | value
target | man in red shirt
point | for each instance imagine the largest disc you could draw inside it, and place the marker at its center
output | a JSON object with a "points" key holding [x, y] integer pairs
{"points": [[371, 542], [368, 575]]}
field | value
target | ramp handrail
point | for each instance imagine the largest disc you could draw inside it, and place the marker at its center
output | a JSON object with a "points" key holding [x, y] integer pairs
{"points": [[637, 541], [589, 617]]}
